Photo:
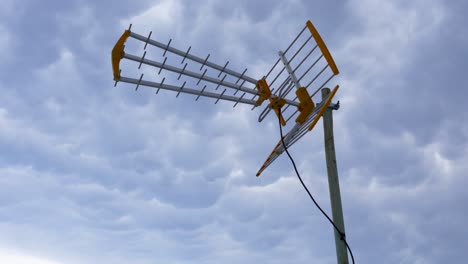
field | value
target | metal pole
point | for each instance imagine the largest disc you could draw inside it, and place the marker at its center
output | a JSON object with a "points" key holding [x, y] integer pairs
{"points": [[333, 182]]}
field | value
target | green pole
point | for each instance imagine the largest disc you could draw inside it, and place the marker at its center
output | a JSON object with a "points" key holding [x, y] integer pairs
{"points": [[333, 182]]}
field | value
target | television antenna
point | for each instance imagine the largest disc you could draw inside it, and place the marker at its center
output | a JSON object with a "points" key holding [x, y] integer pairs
{"points": [[305, 66]]}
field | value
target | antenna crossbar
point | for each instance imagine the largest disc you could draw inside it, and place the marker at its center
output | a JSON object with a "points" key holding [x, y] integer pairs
{"points": [[179, 89], [193, 57], [291, 73], [190, 73]]}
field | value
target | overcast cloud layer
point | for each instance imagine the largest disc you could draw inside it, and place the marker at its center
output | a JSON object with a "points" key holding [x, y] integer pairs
{"points": [[90, 173]]}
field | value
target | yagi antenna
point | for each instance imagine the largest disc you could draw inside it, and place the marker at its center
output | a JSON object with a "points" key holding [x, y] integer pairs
{"points": [[305, 66]]}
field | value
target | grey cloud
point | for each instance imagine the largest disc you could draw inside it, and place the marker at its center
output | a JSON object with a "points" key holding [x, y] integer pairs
{"points": [[92, 173]]}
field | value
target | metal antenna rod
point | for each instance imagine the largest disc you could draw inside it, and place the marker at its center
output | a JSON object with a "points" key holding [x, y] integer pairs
{"points": [[321, 86], [289, 69], [299, 50], [149, 36], [140, 82], [318, 75], [240, 85], [288, 78], [276, 63], [192, 57], [242, 74], [165, 48], [278, 75], [305, 58], [162, 82], [204, 62], [185, 56], [294, 41], [310, 68], [142, 58], [187, 73], [201, 92], [240, 98]]}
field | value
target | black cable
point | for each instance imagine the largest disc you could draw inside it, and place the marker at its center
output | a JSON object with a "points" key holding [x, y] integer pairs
{"points": [[342, 235]]}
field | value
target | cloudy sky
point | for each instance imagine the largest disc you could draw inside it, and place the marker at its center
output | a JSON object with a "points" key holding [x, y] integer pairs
{"points": [[90, 173]]}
